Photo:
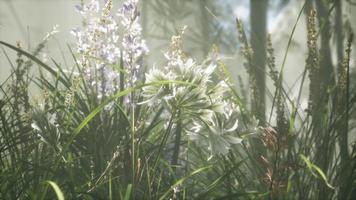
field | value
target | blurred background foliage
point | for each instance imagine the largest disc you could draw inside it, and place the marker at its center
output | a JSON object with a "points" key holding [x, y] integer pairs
{"points": [[211, 23]]}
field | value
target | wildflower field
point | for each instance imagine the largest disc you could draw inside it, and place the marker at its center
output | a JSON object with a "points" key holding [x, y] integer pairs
{"points": [[114, 126]]}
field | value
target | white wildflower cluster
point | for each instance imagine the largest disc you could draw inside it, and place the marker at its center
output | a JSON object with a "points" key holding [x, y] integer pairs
{"points": [[219, 136], [134, 47], [209, 119], [100, 48]]}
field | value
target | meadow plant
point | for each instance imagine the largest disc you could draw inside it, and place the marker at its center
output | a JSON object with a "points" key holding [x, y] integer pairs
{"points": [[100, 48], [145, 119], [110, 129], [208, 113]]}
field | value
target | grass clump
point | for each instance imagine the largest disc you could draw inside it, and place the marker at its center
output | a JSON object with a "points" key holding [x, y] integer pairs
{"points": [[110, 129]]}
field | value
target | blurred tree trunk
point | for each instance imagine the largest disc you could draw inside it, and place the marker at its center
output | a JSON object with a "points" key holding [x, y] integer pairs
{"points": [[327, 81], [325, 52], [341, 103], [258, 19], [338, 30]]}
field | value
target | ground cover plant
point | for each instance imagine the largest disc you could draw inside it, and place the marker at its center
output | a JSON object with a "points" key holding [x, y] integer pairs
{"points": [[112, 127]]}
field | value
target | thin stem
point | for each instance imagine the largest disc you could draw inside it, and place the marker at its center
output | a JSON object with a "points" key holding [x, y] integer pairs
{"points": [[177, 141]]}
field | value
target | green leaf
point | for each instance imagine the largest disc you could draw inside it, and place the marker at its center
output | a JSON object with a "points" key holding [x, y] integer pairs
{"points": [[56, 189], [180, 181], [36, 60], [128, 192], [219, 180], [107, 101], [117, 95], [312, 167]]}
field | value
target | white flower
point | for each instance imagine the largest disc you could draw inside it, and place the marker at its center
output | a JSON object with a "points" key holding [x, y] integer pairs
{"points": [[99, 45], [216, 137], [155, 93], [134, 47], [34, 126], [211, 121], [52, 118]]}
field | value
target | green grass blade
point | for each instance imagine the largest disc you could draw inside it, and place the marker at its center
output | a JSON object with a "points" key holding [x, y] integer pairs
{"points": [[180, 181], [128, 192], [56, 189], [312, 167], [36, 60]]}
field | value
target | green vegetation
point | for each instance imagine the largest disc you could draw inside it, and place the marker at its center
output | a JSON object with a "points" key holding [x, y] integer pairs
{"points": [[113, 128]]}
